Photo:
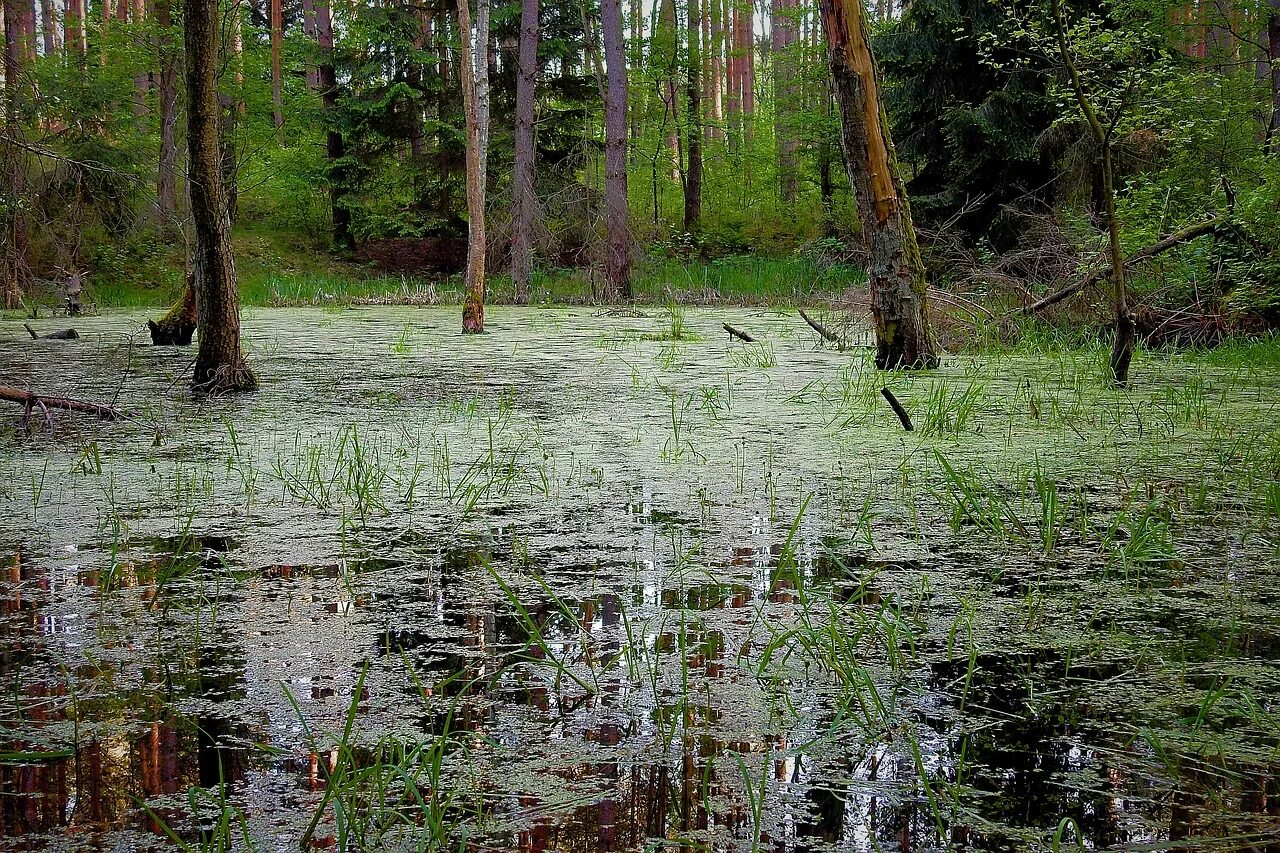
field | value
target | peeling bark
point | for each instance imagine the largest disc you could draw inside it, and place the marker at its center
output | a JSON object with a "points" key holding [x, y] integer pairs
{"points": [[895, 271]]}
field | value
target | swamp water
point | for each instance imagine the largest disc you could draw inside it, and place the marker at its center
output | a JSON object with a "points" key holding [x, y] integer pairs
{"points": [[575, 586]]}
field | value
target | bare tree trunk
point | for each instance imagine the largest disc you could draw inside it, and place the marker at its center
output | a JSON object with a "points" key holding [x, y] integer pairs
{"points": [[895, 272], [309, 31], [474, 65], [637, 58], [693, 173], [784, 73], [167, 90], [220, 364], [141, 80], [74, 29], [15, 226], [746, 34], [1126, 333], [733, 75], [717, 68], [48, 28], [277, 67], [522, 200], [617, 237], [664, 58], [335, 149]]}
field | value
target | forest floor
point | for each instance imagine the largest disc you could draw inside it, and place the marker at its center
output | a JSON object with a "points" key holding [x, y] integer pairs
{"points": [[603, 581]]}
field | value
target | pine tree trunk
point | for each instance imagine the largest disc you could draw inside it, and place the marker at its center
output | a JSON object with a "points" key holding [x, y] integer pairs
{"points": [[15, 226], [48, 28], [473, 60], [220, 364], [335, 148], [693, 173], [74, 29], [522, 200], [309, 32], [277, 67], [746, 22], [717, 68], [895, 273], [617, 236], [167, 91], [784, 73], [141, 80]]}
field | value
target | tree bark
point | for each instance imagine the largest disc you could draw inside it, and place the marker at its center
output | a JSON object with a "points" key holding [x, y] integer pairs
{"points": [[277, 67], [167, 92], [48, 28], [693, 172], [747, 44], [617, 236], [74, 29], [522, 200], [309, 31], [220, 364], [895, 273], [15, 226], [335, 147], [474, 48], [784, 71]]}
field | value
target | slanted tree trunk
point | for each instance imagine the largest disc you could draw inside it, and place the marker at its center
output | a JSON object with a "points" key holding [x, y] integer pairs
{"points": [[1126, 332], [335, 147], [277, 67], [895, 272], [693, 172], [522, 198], [220, 364], [15, 226], [475, 107], [617, 232], [167, 93]]}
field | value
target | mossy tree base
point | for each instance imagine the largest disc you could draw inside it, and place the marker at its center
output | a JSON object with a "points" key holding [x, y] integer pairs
{"points": [[176, 327]]}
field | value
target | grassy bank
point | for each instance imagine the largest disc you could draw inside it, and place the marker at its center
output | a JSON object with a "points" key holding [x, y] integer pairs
{"points": [[277, 269]]}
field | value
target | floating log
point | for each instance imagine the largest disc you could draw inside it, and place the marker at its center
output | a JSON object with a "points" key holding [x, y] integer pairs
{"points": [[739, 334], [1187, 234], [64, 335], [898, 409], [820, 329], [44, 401]]}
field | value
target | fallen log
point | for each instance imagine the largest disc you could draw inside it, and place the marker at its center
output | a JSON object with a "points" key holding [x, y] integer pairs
{"points": [[64, 335], [44, 401], [820, 329], [898, 409], [739, 334], [1187, 234]]}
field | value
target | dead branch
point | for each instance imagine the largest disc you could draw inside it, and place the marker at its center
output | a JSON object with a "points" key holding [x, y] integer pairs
{"points": [[739, 334], [44, 401], [820, 329], [1208, 226], [897, 409], [64, 335]]}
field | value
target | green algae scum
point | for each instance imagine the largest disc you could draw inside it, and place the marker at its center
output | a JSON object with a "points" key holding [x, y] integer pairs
{"points": [[609, 582]]}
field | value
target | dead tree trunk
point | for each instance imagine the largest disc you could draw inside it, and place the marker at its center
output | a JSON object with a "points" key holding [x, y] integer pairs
{"points": [[895, 272], [693, 172], [475, 96], [522, 198], [177, 326], [220, 364], [617, 237]]}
